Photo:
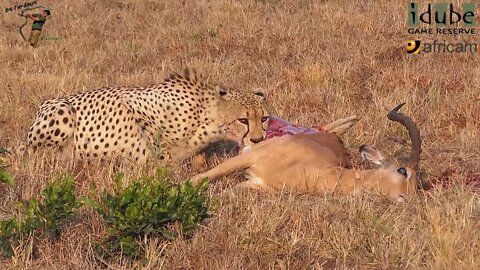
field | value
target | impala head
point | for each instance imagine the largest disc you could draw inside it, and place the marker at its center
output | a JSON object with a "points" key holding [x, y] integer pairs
{"points": [[395, 180], [390, 178]]}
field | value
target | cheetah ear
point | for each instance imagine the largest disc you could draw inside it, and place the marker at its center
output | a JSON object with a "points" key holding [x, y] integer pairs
{"points": [[260, 93], [223, 91]]}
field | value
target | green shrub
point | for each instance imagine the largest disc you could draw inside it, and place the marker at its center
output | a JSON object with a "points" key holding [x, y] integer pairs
{"points": [[5, 177], [9, 234], [58, 204], [45, 216], [149, 207]]}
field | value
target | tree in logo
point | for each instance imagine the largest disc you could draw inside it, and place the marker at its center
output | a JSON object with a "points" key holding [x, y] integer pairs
{"points": [[39, 20]]}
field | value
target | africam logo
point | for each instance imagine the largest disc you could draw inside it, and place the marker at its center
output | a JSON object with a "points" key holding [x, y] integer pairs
{"points": [[414, 47]]}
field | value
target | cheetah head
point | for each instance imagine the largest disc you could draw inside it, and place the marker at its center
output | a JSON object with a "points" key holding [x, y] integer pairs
{"points": [[246, 116]]}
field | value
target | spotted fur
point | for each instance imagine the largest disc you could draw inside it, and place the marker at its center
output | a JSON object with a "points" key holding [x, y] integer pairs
{"points": [[178, 117]]}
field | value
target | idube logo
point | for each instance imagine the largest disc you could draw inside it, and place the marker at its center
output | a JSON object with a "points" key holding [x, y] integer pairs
{"points": [[441, 19], [445, 18]]}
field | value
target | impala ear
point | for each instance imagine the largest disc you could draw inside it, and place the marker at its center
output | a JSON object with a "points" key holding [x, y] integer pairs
{"points": [[371, 154]]}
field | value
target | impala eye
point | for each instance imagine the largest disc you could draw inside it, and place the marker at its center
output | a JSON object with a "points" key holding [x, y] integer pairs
{"points": [[402, 171], [243, 121], [264, 119]]}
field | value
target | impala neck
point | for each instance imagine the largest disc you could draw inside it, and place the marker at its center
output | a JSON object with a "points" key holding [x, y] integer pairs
{"points": [[359, 179]]}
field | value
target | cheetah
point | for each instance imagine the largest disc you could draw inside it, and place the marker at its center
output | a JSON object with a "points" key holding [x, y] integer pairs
{"points": [[168, 121]]}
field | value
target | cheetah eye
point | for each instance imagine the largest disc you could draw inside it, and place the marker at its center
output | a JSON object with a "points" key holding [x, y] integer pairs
{"points": [[243, 121], [402, 171], [264, 119]]}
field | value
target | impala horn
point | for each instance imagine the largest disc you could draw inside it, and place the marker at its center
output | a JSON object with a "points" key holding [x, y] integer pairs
{"points": [[413, 132]]}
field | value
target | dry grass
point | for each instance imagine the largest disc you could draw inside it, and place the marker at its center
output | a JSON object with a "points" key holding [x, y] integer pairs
{"points": [[319, 61]]}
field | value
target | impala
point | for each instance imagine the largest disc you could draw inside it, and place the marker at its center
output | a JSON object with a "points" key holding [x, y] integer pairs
{"points": [[319, 163]]}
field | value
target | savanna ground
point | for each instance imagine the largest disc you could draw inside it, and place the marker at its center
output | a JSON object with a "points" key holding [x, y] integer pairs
{"points": [[319, 61]]}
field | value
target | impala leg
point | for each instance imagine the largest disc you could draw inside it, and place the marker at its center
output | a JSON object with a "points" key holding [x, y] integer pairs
{"points": [[342, 125], [239, 162], [243, 186], [249, 184]]}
